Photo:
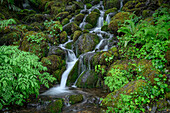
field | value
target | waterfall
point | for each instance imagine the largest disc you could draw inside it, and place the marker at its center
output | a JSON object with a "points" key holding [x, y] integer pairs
{"points": [[108, 19], [121, 4]]}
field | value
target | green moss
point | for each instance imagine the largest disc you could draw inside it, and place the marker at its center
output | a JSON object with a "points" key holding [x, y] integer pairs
{"points": [[112, 10], [69, 45], [79, 17], [111, 3], [88, 5], [88, 26], [76, 35], [146, 13], [58, 73], [92, 18], [71, 28], [63, 37], [55, 107], [86, 31], [65, 21], [75, 98], [104, 28], [62, 15]]}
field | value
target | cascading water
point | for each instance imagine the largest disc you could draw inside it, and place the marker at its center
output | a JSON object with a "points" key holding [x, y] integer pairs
{"points": [[108, 18]]}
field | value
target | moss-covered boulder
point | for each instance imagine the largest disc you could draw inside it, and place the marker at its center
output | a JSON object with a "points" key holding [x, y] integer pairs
{"points": [[73, 99], [79, 5], [105, 28], [88, 5], [53, 63], [25, 12], [94, 2], [118, 18], [36, 18], [61, 15], [73, 75], [87, 79], [63, 37], [92, 18], [88, 26], [55, 50], [56, 106], [86, 42], [10, 38], [79, 18], [71, 8], [69, 45], [65, 21], [35, 42], [76, 35], [71, 28], [112, 10], [133, 86], [111, 3]]}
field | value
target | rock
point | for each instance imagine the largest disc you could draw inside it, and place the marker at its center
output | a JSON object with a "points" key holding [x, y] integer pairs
{"points": [[79, 5], [118, 18], [55, 50], [86, 42], [96, 10], [35, 42], [69, 45], [71, 8], [112, 10], [94, 2], [56, 106], [73, 75], [104, 28], [75, 98], [87, 79], [79, 18], [53, 63], [111, 3], [63, 37], [76, 35], [71, 28], [62, 15], [58, 73], [146, 13], [65, 21], [25, 12], [36, 18], [88, 5], [88, 26], [127, 89], [92, 18]]}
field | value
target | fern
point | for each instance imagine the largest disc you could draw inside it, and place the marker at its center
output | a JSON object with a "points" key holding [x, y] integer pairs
{"points": [[11, 5], [5, 23]]}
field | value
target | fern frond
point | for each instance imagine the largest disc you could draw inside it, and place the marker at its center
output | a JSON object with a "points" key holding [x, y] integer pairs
{"points": [[5, 23]]}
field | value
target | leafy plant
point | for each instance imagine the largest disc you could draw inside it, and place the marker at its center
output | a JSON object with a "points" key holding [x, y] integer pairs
{"points": [[11, 5], [6, 23], [21, 75]]}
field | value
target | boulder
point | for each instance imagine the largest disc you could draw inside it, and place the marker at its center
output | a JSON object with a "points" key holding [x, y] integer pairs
{"points": [[71, 28], [61, 15], [65, 21], [63, 37], [111, 3], [86, 42], [92, 18], [79, 18], [76, 35], [73, 99], [56, 106]]}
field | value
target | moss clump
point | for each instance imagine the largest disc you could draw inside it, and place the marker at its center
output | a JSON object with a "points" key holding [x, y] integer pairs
{"points": [[88, 26], [111, 3], [118, 18], [63, 37], [76, 35], [62, 15], [79, 17], [69, 45], [127, 89], [104, 28], [58, 73], [75, 98], [71, 28], [112, 10], [65, 21], [92, 18], [56, 106], [146, 13], [88, 5]]}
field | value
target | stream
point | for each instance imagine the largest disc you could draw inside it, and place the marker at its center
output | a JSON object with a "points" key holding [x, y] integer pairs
{"points": [[91, 97]]}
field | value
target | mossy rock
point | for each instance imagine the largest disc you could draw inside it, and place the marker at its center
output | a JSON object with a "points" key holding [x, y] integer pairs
{"points": [[79, 5], [63, 37], [25, 12], [36, 18], [69, 45], [104, 28], [112, 10], [76, 35], [86, 31], [92, 18], [36, 26], [35, 3], [88, 5], [69, 16], [86, 42], [79, 17], [10, 38], [71, 28], [56, 106], [58, 73], [73, 99], [61, 15], [97, 11], [35, 42], [111, 3], [118, 18], [87, 79], [53, 63], [73, 75], [88, 26], [94, 2], [71, 8], [130, 87], [146, 13], [65, 21], [54, 50]]}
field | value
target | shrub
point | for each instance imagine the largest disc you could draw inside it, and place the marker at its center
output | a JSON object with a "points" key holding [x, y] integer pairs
{"points": [[20, 75]]}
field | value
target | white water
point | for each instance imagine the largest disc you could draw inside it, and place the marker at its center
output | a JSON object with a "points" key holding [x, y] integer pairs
{"points": [[108, 19]]}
